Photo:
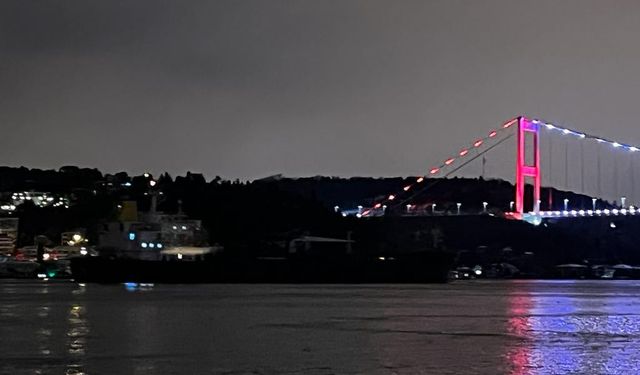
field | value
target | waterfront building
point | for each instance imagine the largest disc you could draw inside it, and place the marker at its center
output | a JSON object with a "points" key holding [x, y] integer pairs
{"points": [[12, 200], [8, 235]]}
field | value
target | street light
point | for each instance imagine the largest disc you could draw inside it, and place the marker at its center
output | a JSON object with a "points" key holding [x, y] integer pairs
{"points": [[538, 203], [593, 203], [624, 202], [511, 205], [433, 209], [408, 208], [458, 205], [484, 207], [566, 204]]}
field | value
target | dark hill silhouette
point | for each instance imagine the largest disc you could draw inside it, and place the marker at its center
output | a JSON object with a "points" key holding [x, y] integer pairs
{"points": [[261, 215]]}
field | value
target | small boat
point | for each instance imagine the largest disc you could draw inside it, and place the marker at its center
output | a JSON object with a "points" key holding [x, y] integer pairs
{"points": [[573, 271]]}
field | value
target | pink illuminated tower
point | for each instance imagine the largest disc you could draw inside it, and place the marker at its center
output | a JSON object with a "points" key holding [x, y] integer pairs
{"points": [[523, 170]]}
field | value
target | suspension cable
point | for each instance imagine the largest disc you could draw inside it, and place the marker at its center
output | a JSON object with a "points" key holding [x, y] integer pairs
{"points": [[437, 181]]}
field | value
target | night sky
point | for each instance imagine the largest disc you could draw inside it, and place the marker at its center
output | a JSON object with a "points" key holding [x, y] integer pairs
{"points": [[246, 89]]}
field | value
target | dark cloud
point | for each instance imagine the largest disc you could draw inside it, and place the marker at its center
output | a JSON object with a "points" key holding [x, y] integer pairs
{"points": [[249, 88]]}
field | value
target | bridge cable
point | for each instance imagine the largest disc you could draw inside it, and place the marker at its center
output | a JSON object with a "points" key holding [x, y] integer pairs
{"points": [[582, 168], [436, 170], [566, 164], [599, 182], [440, 179], [550, 178], [615, 177], [581, 135], [633, 178]]}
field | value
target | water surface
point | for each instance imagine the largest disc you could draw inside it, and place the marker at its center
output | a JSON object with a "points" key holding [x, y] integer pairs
{"points": [[475, 327]]}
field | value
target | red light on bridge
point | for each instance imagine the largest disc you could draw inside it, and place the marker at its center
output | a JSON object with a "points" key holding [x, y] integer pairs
{"points": [[509, 123], [378, 205], [464, 152], [392, 197], [493, 134], [434, 170], [420, 179], [449, 161], [478, 143], [406, 188]]}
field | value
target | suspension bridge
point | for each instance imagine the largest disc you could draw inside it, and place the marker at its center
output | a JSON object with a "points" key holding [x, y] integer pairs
{"points": [[528, 203]]}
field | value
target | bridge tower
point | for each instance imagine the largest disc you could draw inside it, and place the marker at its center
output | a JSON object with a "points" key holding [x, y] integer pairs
{"points": [[526, 168]]}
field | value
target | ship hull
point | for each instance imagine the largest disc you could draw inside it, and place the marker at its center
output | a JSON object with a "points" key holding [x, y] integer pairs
{"points": [[428, 267]]}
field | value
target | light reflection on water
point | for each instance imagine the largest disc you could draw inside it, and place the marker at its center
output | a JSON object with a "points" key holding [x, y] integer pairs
{"points": [[481, 327], [574, 330]]}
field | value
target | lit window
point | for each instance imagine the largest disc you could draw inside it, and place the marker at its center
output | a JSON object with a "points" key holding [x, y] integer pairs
{"points": [[132, 236]]}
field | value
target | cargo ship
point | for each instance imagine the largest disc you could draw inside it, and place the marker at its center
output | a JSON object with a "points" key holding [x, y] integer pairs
{"points": [[421, 267], [155, 247]]}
